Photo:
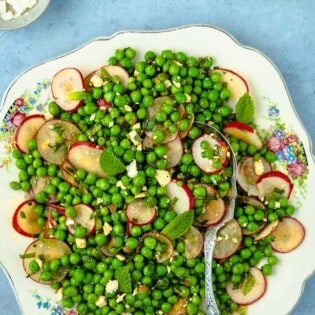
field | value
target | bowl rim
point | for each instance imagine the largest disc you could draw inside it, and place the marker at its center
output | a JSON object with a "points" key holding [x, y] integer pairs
{"points": [[25, 19]]}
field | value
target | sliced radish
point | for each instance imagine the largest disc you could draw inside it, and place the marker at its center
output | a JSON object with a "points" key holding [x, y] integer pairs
{"points": [[243, 132], [27, 130], [54, 138], [268, 230], [86, 156], [235, 83], [191, 118], [38, 184], [140, 213], [85, 217], [248, 172], [288, 235], [273, 184], [164, 249], [251, 289], [220, 153], [181, 195], [193, 240], [45, 250], [150, 119], [55, 207], [68, 173], [24, 220], [65, 82], [251, 201], [213, 209], [228, 240], [174, 152], [106, 74]]}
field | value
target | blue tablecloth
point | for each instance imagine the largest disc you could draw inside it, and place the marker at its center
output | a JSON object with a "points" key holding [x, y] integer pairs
{"points": [[283, 30]]}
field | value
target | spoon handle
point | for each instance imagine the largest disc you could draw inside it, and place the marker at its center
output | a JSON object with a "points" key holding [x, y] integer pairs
{"points": [[209, 244]]}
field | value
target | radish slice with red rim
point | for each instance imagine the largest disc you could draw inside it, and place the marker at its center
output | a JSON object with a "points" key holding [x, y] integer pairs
{"points": [[86, 156], [174, 152], [213, 209], [54, 138], [267, 230], [140, 213], [193, 240], [24, 220], [249, 171], [45, 250], [243, 132], [235, 83], [273, 184], [228, 240], [68, 173], [288, 235], [218, 155], [105, 74], [85, 217], [65, 82], [38, 185], [250, 290], [180, 196], [164, 248], [27, 130]]}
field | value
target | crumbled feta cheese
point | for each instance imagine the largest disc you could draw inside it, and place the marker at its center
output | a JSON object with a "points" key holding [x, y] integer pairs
{"points": [[101, 301], [96, 81], [111, 286], [128, 108], [80, 242], [163, 177], [120, 185], [107, 228], [258, 167], [134, 137], [141, 195], [10, 9], [120, 257], [120, 297], [69, 222], [132, 170], [277, 205]]}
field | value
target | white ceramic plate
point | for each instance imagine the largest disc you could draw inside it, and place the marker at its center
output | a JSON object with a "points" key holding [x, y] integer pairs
{"points": [[275, 115]]}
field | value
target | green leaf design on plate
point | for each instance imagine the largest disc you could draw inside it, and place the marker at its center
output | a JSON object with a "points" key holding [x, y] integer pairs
{"points": [[179, 226], [245, 109]]}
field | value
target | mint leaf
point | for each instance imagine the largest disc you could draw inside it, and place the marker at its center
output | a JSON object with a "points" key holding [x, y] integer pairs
{"points": [[247, 284], [179, 226], [123, 277], [245, 109], [76, 96], [110, 163]]}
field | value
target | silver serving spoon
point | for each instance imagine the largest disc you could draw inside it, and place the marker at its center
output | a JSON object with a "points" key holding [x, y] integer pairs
{"points": [[211, 233]]}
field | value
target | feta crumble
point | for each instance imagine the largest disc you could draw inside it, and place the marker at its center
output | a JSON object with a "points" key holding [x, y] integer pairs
{"points": [[11, 9]]}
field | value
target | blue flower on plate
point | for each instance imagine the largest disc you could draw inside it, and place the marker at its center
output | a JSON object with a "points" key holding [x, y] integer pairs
{"points": [[23, 109], [273, 111], [280, 156], [291, 158], [57, 311], [279, 133]]}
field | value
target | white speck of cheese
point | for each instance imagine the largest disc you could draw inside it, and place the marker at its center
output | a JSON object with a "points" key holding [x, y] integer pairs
{"points": [[112, 286]]}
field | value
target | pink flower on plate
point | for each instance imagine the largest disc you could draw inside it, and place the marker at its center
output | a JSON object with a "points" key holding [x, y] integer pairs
{"points": [[291, 139], [296, 169], [274, 144]]}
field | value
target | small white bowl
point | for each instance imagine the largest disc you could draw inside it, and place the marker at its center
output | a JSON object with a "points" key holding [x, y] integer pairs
{"points": [[26, 18]]}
